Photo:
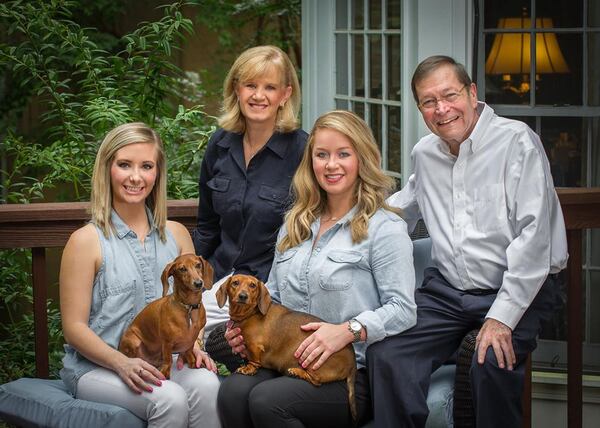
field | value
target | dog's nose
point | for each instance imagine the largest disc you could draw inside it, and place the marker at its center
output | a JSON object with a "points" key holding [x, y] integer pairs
{"points": [[198, 283], [243, 297]]}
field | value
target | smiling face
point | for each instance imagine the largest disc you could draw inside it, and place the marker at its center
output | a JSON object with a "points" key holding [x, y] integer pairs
{"points": [[133, 173], [454, 121], [261, 97], [335, 164]]}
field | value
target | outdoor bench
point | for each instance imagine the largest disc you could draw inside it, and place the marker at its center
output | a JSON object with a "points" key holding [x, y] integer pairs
{"points": [[32, 402]]}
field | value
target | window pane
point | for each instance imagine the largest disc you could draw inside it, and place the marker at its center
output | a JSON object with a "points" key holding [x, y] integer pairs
{"points": [[564, 141], [393, 67], [495, 9], [341, 104], [375, 86], [394, 13], [341, 14], [594, 69], [559, 83], [595, 164], [506, 72], [566, 13], [358, 65], [594, 321], [374, 14], [394, 135], [556, 327], [594, 13], [375, 124], [341, 64], [595, 244], [358, 15], [529, 120], [359, 109]]}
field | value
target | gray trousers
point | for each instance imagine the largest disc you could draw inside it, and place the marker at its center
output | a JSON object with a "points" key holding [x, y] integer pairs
{"points": [[189, 399]]}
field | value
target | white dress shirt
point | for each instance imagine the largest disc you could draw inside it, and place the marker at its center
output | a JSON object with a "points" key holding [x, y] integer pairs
{"points": [[492, 212]]}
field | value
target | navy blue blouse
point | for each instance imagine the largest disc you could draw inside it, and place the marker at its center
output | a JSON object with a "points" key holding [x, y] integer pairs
{"points": [[241, 209]]}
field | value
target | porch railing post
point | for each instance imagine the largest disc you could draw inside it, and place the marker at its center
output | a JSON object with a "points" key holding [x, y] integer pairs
{"points": [[40, 313], [575, 331]]}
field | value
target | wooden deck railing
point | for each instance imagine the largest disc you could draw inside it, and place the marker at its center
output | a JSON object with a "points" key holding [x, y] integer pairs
{"points": [[45, 225]]}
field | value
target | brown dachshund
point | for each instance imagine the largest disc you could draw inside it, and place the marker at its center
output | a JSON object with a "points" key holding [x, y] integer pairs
{"points": [[272, 333], [171, 324]]}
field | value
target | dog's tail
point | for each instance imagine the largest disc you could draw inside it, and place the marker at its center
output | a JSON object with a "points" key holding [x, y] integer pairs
{"points": [[350, 382]]}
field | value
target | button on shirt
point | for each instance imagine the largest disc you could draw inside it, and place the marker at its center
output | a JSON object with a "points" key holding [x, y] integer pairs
{"points": [[241, 209], [492, 212], [372, 281]]}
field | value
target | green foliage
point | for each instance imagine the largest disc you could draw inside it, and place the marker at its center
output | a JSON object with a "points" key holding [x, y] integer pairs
{"points": [[83, 84], [242, 24]]}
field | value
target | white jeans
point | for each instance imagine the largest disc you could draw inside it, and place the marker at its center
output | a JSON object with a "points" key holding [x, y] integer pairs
{"points": [[188, 399]]}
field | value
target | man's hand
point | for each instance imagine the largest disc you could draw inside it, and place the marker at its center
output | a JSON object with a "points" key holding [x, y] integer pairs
{"points": [[499, 336]]}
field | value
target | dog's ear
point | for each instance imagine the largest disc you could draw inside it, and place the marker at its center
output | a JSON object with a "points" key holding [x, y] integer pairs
{"points": [[264, 298], [164, 278], [207, 273], [221, 294]]}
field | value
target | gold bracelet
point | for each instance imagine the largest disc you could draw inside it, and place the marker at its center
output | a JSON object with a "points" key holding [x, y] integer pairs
{"points": [[200, 342]]}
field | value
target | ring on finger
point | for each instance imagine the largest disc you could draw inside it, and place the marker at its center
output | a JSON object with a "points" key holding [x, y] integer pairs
{"points": [[141, 372]]}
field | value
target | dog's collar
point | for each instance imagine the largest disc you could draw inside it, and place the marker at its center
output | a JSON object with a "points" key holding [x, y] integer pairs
{"points": [[189, 309]]}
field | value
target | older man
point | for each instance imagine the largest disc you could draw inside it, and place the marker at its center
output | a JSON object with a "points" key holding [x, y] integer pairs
{"points": [[482, 185]]}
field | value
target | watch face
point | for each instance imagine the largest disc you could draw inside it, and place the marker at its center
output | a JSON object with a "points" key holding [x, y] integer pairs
{"points": [[355, 325]]}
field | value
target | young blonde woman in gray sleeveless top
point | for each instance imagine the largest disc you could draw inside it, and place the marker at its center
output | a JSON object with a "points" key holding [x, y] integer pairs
{"points": [[110, 270]]}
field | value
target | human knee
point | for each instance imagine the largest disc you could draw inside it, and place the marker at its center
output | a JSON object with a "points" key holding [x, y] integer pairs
{"points": [[230, 394], [201, 383], [170, 401], [264, 404]]}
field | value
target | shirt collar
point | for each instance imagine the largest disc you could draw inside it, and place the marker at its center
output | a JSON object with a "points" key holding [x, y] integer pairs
{"points": [[475, 140], [486, 114], [345, 219], [122, 229], [277, 143]]}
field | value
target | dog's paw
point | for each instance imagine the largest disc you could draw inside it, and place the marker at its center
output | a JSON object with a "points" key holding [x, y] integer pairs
{"points": [[166, 370], [248, 370], [304, 375]]}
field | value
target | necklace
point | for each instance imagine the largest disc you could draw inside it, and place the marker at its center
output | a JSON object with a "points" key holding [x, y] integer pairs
{"points": [[330, 218], [251, 151]]}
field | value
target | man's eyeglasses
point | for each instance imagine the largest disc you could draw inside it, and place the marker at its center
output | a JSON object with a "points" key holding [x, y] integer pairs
{"points": [[450, 98]]}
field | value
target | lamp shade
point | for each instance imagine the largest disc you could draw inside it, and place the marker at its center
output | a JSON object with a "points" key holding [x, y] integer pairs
{"points": [[510, 53]]}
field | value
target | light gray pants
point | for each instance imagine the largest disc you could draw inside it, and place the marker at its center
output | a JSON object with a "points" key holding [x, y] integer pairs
{"points": [[188, 399]]}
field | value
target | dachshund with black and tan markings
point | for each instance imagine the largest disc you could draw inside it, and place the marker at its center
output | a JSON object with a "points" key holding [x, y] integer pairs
{"points": [[272, 333], [172, 323]]}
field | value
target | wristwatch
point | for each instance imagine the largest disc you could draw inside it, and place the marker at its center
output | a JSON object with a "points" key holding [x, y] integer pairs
{"points": [[355, 328]]}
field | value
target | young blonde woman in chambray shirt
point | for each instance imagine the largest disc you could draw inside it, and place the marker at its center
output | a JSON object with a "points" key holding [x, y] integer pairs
{"points": [[343, 255], [110, 270]]}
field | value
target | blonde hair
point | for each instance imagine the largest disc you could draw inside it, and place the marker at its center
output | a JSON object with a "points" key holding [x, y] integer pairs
{"points": [[253, 63], [372, 188], [101, 197]]}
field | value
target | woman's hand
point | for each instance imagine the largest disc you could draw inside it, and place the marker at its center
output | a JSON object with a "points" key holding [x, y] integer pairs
{"points": [[138, 374], [234, 338], [326, 340]]}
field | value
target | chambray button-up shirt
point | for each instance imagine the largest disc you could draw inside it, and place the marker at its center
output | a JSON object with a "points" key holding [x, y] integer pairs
{"points": [[127, 280], [241, 209], [492, 212], [372, 281]]}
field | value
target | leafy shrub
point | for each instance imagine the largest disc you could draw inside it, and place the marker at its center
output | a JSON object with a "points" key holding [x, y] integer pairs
{"points": [[84, 86]]}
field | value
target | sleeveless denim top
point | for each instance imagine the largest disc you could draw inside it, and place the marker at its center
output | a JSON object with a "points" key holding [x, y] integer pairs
{"points": [[127, 280]]}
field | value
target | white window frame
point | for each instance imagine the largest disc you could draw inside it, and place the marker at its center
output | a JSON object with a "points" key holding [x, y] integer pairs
{"points": [[428, 27]]}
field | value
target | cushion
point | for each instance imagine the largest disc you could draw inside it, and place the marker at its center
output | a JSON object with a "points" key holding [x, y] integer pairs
{"points": [[441, 397], [422, 258], [31, 402]]}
